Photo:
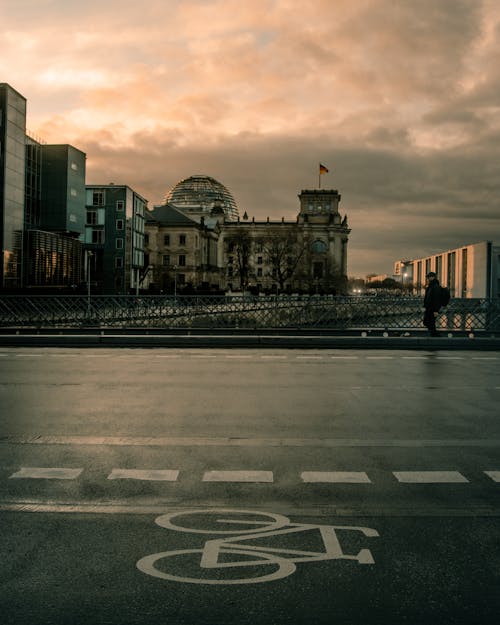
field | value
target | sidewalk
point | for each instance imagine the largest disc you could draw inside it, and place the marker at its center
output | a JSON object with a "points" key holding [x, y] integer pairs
{"points": [[246, 339]]}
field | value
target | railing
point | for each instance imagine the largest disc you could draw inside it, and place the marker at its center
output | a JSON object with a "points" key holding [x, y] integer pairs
{"points": [[247, 312]]}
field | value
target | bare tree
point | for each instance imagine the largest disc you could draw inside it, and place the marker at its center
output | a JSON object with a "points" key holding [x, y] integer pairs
{"points": [[284, 249], [239, 245]]}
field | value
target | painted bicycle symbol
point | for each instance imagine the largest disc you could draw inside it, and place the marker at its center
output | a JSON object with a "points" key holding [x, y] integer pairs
{"points": [[245, 546]]}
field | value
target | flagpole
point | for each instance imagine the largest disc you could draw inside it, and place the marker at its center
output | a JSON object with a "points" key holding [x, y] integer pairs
{"points": [[319, 175]]}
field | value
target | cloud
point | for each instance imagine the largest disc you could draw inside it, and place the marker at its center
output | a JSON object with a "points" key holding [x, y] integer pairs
{"points": [[399, 99]]}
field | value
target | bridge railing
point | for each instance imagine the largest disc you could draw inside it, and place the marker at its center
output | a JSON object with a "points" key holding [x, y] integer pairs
{"points": [[230, 312]]}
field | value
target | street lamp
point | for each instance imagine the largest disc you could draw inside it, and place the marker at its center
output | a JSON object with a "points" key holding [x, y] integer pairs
{"points": [[175, 283], [89, 256]]}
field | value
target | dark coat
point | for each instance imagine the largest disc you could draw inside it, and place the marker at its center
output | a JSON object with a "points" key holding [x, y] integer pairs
{"points": [[432, 297]]}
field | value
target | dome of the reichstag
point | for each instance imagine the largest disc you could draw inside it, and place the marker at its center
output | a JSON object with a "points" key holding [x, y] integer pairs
{"points": [[200, 194]]}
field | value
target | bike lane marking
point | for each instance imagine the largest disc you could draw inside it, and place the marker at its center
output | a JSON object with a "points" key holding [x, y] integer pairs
{"points": [[47, 473], [337, 477], [238, 476], [160, 475], [430, 477]]}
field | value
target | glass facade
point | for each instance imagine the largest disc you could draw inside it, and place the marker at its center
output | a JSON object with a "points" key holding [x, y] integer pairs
{"points": [[12, 185]]}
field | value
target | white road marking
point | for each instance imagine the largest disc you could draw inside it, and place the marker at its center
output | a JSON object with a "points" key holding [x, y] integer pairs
{"points": [[239, 356], [335, 477], [160, 475], [449, 358], [495, 475], [238, 476], [430, 477], [344, 357], [273, 357], [380, 357], [414, 357], [47, 473], [167, 356], [485, 358], [29, 355], [309, 357]]}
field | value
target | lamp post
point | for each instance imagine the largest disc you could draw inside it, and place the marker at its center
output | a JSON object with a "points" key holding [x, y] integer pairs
{"points": [[175, 284], [89, 256]]}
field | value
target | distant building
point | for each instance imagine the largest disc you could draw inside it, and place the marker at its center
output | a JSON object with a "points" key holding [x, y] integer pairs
{"points": [[114, 238], [470, 271]]}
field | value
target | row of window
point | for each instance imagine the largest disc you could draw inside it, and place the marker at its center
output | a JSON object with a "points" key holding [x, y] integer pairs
{"points": [[99, 199], [166, 239], [181, 260], [96, 218]]}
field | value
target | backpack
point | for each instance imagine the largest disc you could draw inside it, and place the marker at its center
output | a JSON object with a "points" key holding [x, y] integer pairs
{"points": [[444, 295]]}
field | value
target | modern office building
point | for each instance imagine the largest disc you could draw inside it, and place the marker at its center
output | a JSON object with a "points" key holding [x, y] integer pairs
{"points": [[42, 204], [12, 183], [114, 238], [63, 190], [470, 271]]}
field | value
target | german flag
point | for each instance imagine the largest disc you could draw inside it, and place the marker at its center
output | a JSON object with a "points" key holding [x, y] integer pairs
{"points": [[323, 169]]}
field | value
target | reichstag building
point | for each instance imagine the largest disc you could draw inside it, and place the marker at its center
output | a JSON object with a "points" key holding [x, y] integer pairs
{"points": [[197, 242]]}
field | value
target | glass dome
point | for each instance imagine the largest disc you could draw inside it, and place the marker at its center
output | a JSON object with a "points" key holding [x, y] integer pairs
{"points": [[199, 194]]}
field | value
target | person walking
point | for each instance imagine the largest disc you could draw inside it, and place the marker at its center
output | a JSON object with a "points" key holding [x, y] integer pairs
{"points": [[432, 302]]}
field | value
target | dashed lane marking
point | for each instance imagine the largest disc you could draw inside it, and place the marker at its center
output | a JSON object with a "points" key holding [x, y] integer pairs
{"points": [[152, 475], [47, 473], [430, 477], [335, 477], [495, 475], [238, 476]]}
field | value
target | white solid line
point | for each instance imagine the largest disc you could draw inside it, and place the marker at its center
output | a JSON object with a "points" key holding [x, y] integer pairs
{"points": [[337, 477], [495, 475], [47, 473], [163, 475], [238, 476], [430, 477]]}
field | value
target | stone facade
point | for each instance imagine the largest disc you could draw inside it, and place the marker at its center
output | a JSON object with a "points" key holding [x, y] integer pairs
{"points": [[215, 253]]}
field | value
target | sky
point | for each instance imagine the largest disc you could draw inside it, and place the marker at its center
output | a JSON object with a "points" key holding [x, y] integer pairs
{"points": [[399, 99]]}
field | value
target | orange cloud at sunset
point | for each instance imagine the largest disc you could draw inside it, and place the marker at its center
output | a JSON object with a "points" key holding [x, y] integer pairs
{"points": [[399, 99]]}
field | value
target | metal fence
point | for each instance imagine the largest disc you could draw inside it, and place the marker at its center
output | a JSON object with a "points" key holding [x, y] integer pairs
{"points": [[246, 312]]}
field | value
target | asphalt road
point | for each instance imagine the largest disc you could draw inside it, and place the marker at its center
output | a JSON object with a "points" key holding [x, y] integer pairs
{"points": [[249, 486]]}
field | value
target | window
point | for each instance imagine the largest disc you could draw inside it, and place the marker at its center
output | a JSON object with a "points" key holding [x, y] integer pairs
{"points": [[119, 224], [166, 240], [229, 260], [73, 192], [319, 247], [118, 262], [166, 260], [97, 236], [182, 260], [259, 260], [120, 205], [119, 244], [230, 272], [182, 239], [91, 218], [74, 166], [146, 239], [259, 272], [98, 198]]}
